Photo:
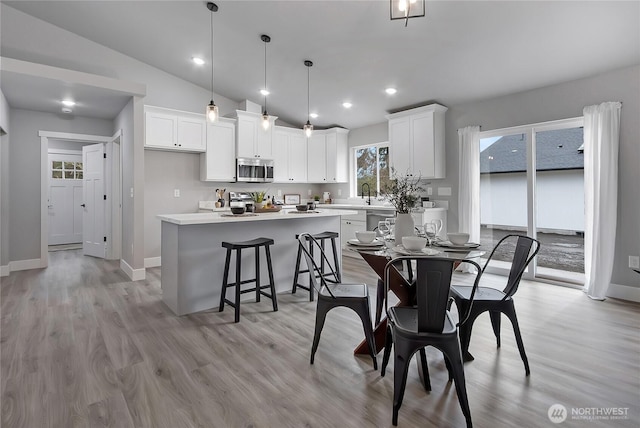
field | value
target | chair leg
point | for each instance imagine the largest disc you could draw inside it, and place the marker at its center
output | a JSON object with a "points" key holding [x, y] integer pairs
{"points": [[311, 272], [447, 364], [257, 261], [465, 332], [495, 323], [274, 299], [510, 312], [402, 358], [379, 301], [452, 352], [225, 280], [424, 368], [388, 344], [295, 274], [364, 313], [238, 270], [321, 315], [335, 259]]}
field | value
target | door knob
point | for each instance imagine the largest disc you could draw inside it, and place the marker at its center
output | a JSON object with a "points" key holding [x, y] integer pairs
{"points": [[83, 205]]}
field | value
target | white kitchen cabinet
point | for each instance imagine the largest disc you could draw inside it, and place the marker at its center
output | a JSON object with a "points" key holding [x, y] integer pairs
{"points": [[328, 156], [289, 155], [417, 141], [218, 163], [253, 141], [167, 129], [349, 225]]}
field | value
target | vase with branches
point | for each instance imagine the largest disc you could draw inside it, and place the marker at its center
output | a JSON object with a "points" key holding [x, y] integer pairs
{"points": [[402, 191]]}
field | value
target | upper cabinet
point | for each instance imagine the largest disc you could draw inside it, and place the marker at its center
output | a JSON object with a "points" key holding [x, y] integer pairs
{"points": [[289, 148], [416, 140], [219, 161], [166, 129], [252, 139], [328, 156]]}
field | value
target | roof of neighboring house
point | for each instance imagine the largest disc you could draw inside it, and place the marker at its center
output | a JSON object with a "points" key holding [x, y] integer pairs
{"points": [[555, 150]]}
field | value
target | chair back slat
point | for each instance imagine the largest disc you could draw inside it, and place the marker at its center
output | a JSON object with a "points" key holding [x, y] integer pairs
{"points": [[522, 256], [318, 280]]}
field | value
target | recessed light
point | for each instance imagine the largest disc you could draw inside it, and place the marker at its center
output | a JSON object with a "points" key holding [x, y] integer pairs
{"points": [[391, 91], [313, 115], [68, 103], [197, 60], [347, 104], [264, 92]]}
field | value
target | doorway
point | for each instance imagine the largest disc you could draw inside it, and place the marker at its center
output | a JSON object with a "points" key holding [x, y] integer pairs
{"points": [[532, 182], [110, 189]]}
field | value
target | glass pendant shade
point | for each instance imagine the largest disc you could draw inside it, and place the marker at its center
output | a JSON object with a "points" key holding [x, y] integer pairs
{"points": [[308, 129], [265, 121], [212, 112]]}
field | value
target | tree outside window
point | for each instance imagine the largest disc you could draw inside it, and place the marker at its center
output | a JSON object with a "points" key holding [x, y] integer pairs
{"points": [[372, 167]]}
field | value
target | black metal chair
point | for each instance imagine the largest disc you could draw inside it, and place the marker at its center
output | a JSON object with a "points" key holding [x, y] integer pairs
{"points": [[496, 301], [334, 294], [411, 329], [322, 237]]}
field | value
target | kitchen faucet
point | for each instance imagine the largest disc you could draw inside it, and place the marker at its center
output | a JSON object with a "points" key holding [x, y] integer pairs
{"points": [[368, 192]]}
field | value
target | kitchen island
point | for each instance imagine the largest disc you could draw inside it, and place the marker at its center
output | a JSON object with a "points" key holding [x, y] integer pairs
{"points": [[193, 259]]}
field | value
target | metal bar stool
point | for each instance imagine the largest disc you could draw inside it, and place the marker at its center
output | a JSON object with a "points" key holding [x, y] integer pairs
{"points": [[238, 246], [321, 238]]}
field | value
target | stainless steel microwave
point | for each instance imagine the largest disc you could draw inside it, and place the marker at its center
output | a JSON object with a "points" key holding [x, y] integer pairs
{"points": [[254, 170]]}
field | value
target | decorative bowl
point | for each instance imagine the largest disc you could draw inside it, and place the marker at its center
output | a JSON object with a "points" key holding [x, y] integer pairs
{"points": [[366, 237], [414, 243], [237, 210], [302, 207], [458, 238]]}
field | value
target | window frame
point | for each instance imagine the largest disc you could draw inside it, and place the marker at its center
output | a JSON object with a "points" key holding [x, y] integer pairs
{"points": [[353, 188]]}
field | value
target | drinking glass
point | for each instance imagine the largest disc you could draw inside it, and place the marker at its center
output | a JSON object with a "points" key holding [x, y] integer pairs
{"points": [[430, 230]]}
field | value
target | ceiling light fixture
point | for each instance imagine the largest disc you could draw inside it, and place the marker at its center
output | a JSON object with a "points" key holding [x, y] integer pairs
{"points": [[212, 108], [68, 103], [265, 116], [308, 127], [347, 104], [197, 60], [391, 91], [405, 9]]}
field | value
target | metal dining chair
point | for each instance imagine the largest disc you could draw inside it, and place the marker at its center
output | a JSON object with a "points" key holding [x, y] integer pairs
{"points": [[411, 329]]}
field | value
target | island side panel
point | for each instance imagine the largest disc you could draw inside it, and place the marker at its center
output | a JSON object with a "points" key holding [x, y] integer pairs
{"points": [[169, 269], [200, 257]]}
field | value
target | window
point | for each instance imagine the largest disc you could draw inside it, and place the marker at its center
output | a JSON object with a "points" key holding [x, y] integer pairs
{"points": [[66, 170], [371, 167]]}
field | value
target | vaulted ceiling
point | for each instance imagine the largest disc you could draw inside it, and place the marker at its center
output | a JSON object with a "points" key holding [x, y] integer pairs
{"points": [[459, 52]]}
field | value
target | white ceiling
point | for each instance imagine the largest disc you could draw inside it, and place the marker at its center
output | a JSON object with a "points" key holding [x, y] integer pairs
{"points": [[459, 52]]}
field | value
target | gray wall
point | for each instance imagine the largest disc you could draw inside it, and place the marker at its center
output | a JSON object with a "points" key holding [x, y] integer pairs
{"points": [[559, 102], [24, 163]]}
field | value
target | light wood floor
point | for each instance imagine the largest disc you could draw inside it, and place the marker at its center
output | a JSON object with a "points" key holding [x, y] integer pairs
{"points": [[83, 347]]}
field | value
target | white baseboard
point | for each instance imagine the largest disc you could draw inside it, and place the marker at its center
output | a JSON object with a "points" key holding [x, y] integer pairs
{"points": [[4, 270], [133, 274], [25, 265], [624, 292], [150, 262]]}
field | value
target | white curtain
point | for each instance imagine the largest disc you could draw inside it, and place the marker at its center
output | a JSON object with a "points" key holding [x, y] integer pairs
{"points": [[469, 183], [601, 140]]}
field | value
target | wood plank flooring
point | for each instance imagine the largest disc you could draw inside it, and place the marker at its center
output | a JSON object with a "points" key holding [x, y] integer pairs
{"points": [[81, 346]]}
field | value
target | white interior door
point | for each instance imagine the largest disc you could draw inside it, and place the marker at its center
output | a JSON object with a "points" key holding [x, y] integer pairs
{"points": [[93, 218], [65, 198]]}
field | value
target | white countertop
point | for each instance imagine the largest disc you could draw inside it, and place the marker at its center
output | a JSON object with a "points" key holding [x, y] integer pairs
{"points": [[366, 207], [216, 217]]}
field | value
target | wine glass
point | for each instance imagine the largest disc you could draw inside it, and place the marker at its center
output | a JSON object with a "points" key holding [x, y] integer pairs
{"points": [[385, 232], [430, 229]]}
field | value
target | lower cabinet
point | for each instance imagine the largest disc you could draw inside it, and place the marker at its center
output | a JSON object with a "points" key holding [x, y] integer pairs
{"points": [[349, 226]]}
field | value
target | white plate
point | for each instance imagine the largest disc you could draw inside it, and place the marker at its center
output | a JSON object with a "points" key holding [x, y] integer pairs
{"points": [[425, 251], [357, 243], [467, 246]]}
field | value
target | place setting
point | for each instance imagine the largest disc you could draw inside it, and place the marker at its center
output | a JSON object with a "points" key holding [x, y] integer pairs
{"points": [[457, 242], [366, 240]]}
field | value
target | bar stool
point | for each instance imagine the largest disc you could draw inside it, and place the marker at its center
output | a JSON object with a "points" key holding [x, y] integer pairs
{"points": [[238, 247], [321, 238]]}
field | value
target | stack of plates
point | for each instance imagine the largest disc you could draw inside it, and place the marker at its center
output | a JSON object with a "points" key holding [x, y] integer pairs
{"points": [[454, 247], [356, 243], [424, 251]]}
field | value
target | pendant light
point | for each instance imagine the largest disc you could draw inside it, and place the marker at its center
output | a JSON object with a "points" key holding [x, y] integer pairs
{"points": [[308, 127], [212, 108], [265, 116]]}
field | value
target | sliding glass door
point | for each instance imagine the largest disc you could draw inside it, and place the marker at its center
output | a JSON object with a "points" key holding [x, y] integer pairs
{"points": [[532, 182]]}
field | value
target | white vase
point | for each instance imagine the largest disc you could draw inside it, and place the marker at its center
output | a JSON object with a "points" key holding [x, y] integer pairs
{"points": [[404, 227]]}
